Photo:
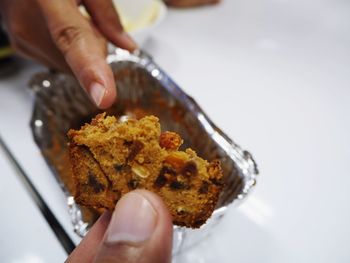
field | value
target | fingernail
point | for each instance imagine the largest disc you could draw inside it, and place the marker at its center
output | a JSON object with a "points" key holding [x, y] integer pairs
{"points": [[97, 91], [133, 220], [128, 41]]}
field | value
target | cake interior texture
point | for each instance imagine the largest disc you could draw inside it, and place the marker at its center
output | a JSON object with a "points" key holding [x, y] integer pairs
{"points": [[111, 158]]}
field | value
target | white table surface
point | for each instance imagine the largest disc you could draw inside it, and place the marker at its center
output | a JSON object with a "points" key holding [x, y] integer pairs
{"points": [[275, 76], [24, 234]]}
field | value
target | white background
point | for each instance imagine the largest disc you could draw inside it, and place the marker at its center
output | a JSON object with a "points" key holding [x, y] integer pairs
{"points": [[275, 76]]}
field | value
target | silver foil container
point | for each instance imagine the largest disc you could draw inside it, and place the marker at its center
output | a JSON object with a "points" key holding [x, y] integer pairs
{"points": [[143, 88]]}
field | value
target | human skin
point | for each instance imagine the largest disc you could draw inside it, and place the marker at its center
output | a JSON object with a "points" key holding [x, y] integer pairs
{"points": [[56, 34], [139, 230]]}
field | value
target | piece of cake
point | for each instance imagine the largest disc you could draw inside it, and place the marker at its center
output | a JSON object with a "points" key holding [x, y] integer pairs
{"points": [[111, 158]]}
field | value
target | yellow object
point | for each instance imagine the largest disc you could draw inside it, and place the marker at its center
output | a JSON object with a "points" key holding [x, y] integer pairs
{"points": [[147, 17], [132, 24], [5, 52]]}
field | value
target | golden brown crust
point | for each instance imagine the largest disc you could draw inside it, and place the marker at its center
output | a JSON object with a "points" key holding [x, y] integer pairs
{"points": [[90, 180], [110, 159]]}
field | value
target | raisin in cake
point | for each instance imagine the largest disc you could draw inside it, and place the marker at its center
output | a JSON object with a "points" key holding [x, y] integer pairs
{"points": [[111, 158]]}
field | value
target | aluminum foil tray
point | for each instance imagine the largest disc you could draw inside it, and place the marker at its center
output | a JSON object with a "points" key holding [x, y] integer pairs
{"points": [[143, 88]]}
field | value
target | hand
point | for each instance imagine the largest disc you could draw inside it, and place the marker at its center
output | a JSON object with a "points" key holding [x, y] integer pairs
{"points": [[190, 3], [56, 34], [139, 230]]}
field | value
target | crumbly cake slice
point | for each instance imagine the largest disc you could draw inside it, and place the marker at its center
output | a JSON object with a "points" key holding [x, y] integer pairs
{"points": [[111, 158]]}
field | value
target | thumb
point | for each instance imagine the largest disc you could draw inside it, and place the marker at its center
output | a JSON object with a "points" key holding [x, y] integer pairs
{"points": [[140, 230]]}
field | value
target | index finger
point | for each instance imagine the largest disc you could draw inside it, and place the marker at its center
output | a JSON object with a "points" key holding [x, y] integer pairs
{"points": [[83, 48]]}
